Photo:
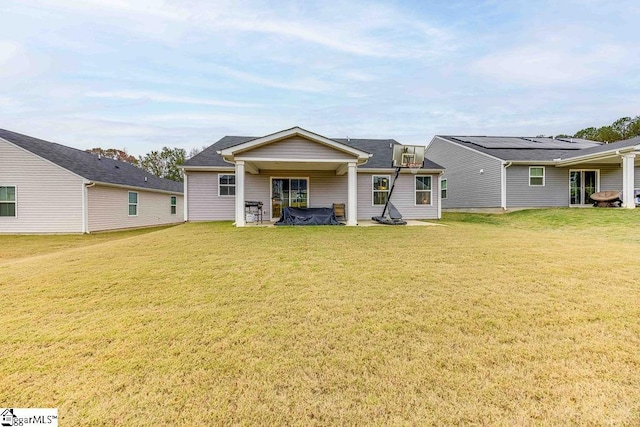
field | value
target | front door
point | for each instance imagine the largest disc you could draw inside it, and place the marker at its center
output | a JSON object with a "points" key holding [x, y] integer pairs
{"points": [[285, 192], [582, 184]]}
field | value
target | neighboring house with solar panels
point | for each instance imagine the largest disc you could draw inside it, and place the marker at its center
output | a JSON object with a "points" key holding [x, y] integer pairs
{"points": [[491, 173], [298, 168], [50, 188]]}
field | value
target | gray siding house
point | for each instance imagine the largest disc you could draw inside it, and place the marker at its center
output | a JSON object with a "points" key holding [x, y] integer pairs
{"points": [[494, 173], [295, 167], [50, 188]]}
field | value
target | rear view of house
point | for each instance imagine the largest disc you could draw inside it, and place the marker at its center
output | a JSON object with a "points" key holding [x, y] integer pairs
{"points": [[298, 168], [50, 188], [494, 173]]}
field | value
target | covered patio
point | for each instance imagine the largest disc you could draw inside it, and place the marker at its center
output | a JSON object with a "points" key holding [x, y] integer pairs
{"points": [[294, 151], [623, 154]]}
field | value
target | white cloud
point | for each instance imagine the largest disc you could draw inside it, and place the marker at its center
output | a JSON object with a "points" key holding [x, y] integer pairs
{"points": [[544, 65], [160, 97], [14, 60]]}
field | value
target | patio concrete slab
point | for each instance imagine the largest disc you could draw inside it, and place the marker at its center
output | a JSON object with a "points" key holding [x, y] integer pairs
{"points": [[361, 223]]}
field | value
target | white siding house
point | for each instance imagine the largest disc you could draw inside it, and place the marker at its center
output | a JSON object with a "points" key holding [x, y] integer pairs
{"points": [[50, 188], [46, 197]]}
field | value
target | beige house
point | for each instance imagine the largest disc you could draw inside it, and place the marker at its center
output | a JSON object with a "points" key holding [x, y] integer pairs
{"points": [[301, 169], [50, 188]]}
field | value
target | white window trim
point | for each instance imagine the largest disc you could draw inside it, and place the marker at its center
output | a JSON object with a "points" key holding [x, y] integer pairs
{"points": [[415, 190], [226, 185], [544, 176], [373, 177], [129, 204], [597, 171], [15, 202], [171, 198], [289, 178], [445, 189]]}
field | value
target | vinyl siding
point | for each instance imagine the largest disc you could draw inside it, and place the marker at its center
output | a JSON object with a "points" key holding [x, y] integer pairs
{"points": [[466, 186], [49, 198], [204, 202], [403, 197], [325, 188], [554, 193], [296, 148], [109, 208], [610, 176]]}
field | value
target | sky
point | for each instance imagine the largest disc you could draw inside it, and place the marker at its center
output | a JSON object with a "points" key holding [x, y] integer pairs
{"points": [[142, 74]]}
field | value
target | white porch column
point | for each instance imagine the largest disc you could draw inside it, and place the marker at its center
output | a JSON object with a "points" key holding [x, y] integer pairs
{"points": [[240, 218], [628, 171], [352, 194]]}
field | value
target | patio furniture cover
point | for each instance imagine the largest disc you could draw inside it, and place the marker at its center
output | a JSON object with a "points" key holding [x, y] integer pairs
{"points": [[308, 216]]}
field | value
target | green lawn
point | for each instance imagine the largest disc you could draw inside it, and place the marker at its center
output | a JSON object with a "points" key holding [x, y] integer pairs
{"points": [[528, 318]]}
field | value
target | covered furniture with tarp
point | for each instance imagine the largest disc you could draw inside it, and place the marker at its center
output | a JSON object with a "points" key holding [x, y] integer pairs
{"points": [[308, 216]]}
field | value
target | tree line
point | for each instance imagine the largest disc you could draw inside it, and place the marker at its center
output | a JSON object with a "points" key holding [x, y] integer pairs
{"points": [[163, 163], [623, 128]]}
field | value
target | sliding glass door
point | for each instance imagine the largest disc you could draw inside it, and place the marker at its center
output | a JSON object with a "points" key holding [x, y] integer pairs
{"points": [[582, 184], [285, 192]]}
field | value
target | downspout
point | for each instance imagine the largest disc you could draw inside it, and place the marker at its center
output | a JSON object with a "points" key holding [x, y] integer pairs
{"points": [[440, 195], [503, 191], [185, 199], [85, 206]]}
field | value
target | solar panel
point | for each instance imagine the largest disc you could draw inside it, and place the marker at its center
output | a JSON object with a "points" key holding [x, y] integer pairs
{"points": [[497, 142]]}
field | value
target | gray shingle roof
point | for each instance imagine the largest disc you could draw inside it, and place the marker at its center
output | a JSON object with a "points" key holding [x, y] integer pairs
{"points": [[380, 148], [524, 148], [603, 148], [90, 166]]}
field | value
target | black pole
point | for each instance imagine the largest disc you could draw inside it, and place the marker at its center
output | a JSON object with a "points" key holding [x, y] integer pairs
{"points": [[395, 178]]}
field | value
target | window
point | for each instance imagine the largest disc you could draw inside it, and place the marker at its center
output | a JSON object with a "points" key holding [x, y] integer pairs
{"points": [[226, 185], [133, 203], [380, 189], [423, 190], [536, 176], [174, 205], [8, 201], [443, 188]]}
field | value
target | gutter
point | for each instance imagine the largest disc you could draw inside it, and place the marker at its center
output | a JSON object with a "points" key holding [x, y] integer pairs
{"points": [[153, 190], [602, 154], [503, 184]]}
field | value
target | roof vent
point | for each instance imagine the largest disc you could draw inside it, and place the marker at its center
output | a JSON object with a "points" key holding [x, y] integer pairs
{"points": [[99, 156], [145, 179]]}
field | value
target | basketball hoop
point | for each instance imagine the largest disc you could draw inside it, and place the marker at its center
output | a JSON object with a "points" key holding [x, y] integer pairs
{"points": [[408, 157], [414, 167]]}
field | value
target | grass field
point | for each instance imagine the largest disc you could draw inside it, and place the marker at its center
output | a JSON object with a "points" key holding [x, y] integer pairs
{"points": [[528, 318]]}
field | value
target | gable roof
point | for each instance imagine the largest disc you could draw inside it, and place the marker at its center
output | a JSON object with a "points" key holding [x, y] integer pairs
{"points": [[523, 148], [295, 131], [90, 166], [380, 149]]}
